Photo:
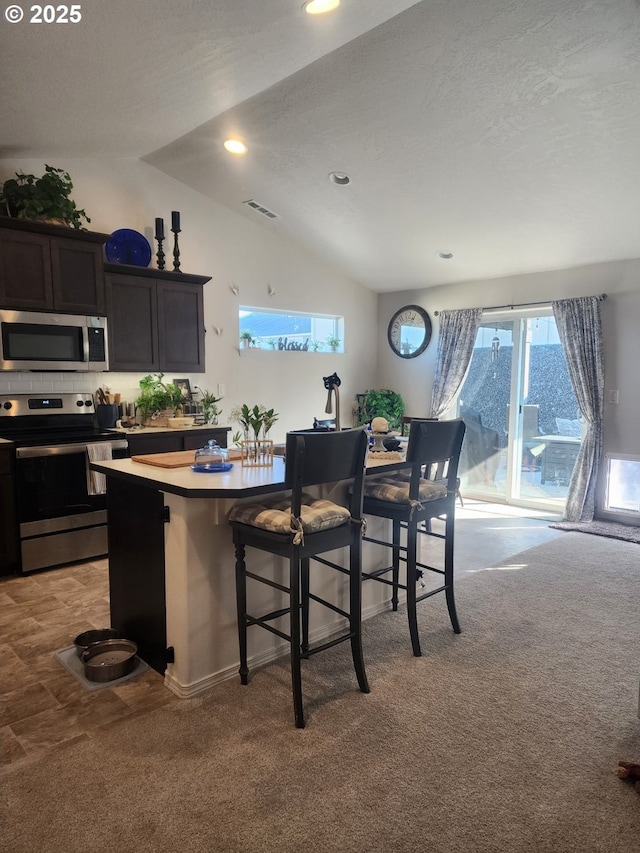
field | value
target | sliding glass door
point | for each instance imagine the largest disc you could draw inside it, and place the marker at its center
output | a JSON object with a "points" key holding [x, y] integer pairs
{"points": [[522, 417]]}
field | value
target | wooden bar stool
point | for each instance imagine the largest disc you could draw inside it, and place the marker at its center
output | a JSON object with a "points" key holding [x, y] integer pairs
{"points": [[436, 474], [298, 527], [408, 497]]}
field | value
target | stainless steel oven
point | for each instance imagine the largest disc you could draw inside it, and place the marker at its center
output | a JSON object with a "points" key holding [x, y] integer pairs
{"points": [[61, 518]]}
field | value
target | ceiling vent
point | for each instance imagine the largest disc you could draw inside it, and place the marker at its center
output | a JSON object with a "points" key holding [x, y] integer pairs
{"points": [[261, 209]]}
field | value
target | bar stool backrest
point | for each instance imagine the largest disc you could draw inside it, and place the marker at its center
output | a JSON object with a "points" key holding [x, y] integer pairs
{"points": [[436, 445], [313, 458], [405, 423]]}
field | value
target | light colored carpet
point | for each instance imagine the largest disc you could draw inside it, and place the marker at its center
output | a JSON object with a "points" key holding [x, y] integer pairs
{"points": [[611, 529], [505, 738]]}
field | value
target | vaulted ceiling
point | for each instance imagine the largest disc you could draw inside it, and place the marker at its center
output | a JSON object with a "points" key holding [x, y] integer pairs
{"points": [[505, 132]]}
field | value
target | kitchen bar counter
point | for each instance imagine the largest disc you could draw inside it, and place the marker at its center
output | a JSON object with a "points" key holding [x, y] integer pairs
{"points": [[239, 482], [172, 575]]}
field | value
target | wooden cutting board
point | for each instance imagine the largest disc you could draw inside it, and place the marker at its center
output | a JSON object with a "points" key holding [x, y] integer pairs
{"points": [[176, 459]]}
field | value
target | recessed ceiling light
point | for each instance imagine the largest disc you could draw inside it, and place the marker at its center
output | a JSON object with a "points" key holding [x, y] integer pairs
{"points": [[339, 178], [235, 146], [444, 256], [319, 7]]}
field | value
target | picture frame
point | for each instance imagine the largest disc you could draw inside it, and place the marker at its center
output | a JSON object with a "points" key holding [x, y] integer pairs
{"points": [[185, 387]]}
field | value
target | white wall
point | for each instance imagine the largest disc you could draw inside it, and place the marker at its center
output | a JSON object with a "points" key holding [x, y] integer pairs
{"points": [[621, 332], [217, 242]]}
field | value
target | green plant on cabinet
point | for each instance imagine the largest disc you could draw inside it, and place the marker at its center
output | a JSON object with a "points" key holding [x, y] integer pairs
{"points": [[46, 198]]}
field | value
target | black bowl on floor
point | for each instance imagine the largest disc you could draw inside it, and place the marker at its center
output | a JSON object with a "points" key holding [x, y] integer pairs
{"points": [[109, 659], [88, 638]]}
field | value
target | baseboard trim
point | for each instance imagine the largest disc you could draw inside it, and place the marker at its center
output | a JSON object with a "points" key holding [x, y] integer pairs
{"points": [[196, 688]]}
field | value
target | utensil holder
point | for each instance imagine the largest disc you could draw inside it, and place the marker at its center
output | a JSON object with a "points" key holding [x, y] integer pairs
{"points": [[107, 415]]}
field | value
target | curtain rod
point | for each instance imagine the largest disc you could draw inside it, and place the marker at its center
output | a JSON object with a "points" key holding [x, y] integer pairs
{"points": [[601, 297]]}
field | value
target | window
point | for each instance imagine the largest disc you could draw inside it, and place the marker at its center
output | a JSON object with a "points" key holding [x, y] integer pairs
{"points": [[622, 490], [523, 423], [279, 330]]}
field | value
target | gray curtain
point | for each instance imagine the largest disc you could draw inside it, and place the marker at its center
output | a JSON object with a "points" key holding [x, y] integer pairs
{"points": [[458, 330], [580, 331]]}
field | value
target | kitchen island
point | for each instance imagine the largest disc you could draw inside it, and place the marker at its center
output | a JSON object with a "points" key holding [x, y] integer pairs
{"points": [[172, 570]]}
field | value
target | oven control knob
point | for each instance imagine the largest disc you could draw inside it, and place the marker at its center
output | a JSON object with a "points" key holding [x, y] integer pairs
{"points": [[7, 404], [88, 402], [79, 403]]}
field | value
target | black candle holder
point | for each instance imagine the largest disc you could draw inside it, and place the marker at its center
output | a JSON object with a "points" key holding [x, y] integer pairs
{"points": [[176, 250], [160, 254]]}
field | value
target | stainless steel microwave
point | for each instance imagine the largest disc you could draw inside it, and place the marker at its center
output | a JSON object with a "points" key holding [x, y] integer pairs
{"points": [[31, 340]]}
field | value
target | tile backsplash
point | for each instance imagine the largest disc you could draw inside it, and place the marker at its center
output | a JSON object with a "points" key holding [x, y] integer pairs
{"points": [[51, 382]]}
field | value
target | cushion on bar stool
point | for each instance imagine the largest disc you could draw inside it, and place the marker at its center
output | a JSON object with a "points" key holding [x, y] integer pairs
{"points": [[315, 514], [397, 490]]}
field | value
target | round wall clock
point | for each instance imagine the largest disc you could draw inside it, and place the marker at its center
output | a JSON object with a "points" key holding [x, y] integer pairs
{"points": [[409, 331]]}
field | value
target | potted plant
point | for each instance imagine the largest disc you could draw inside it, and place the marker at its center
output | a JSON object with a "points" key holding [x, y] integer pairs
{"points": [[209, 403], [245, 338], [383, 404], [46, 198], [315, 346], [271, 343], [269, 417], [256, 419], [157, 397], [333, 343]]}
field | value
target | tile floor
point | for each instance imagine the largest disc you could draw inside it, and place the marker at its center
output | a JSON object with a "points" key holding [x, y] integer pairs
{"points": [[43, 707]]}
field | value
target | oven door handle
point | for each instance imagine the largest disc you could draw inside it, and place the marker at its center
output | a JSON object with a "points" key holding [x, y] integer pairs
{"points": [[63, 449]]}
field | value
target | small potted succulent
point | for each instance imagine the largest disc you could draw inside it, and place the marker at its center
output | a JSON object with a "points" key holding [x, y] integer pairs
{"points": [[245, 338], [333, 343]]}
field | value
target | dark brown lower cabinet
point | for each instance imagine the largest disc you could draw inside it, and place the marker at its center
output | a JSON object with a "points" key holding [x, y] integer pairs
{"points": [[173, 440], [136, 568], [9, 537]]}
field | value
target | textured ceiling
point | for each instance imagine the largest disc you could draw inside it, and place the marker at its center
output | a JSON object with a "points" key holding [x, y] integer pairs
{"points": [[504, 131]]}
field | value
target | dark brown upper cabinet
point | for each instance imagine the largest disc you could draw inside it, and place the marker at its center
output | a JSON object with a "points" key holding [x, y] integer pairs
{"points": [[156, 319], [51, 268]]}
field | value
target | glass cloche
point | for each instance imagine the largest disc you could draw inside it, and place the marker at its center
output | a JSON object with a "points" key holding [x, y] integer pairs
{"points": [[212, 457]]}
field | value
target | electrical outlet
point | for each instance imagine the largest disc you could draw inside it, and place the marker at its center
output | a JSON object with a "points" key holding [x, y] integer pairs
{"points": [[613, 397], [221, 390]]}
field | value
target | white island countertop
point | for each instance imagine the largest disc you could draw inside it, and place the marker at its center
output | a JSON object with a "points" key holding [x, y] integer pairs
{"points": [[239, 482]]}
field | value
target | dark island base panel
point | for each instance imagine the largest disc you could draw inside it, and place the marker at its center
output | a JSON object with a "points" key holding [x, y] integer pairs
{"points": [[136, 568]]}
